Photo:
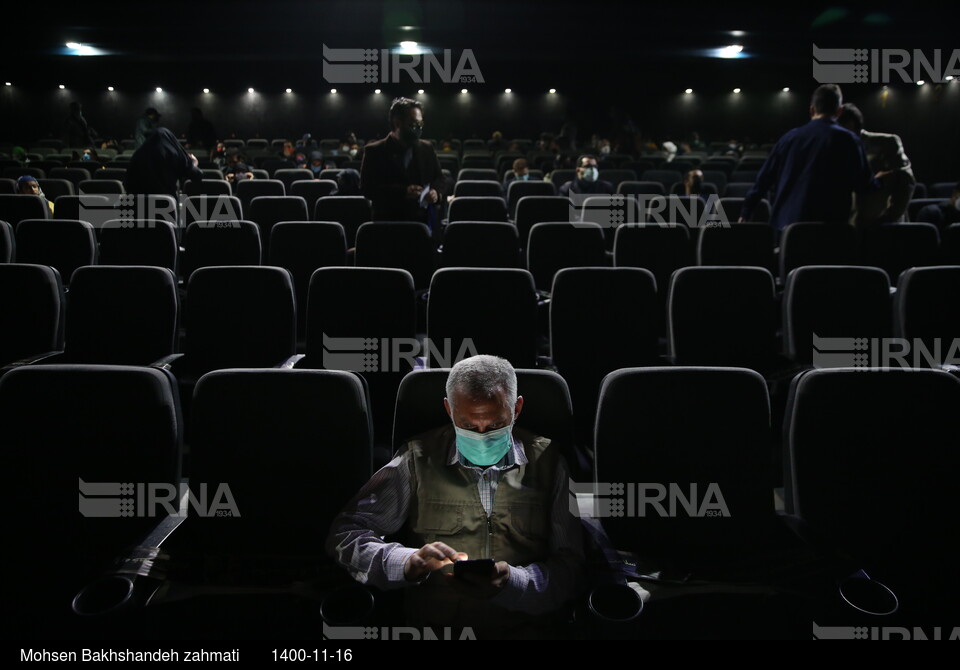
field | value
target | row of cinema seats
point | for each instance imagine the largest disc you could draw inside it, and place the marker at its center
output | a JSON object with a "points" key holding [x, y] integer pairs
{"points": [[365, 319], [869, 466]]}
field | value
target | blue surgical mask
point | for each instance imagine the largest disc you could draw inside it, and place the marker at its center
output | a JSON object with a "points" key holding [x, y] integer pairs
{"points": [[524, 177], [590, 174], [484, 449]]}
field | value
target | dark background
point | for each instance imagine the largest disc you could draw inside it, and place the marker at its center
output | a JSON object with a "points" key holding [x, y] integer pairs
{"points": [[610, 62]]}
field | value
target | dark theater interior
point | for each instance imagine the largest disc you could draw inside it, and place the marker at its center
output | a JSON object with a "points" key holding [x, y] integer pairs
{"points": [[329, 323]]}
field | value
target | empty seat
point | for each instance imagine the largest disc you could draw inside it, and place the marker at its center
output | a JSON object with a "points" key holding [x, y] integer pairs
{"points": [[8, 186], [211, 208], [64, 245], [8, 244], [732, 209], [17, 172], [301, 247], [31, 311], [926, 314], [736, 244], [100, 187], [554, 246], [871, 470], [689, 210], [833, 302], [350, 211], [146, 243], [120, 315], [951, 244], [74, 175], [16, 208], [54, 188], [211, 243], [265, 211], [615, 177], [812, 243], [560, 177], [658, 248], [94, 427], [744, 176], [480, 244], [898, 246], [295, 425], [364, 320], [721, 316], [477, 209], [312, 190], [665, 177], [485, 174], [455, 332], [641, 188], [397, 244], [480, 162], [517, 189], [533, 209], [248, 189], [478, 187], [290, 175], [601, 319], [738, 189], [701, 504], [207, 187], [70, 206], [110, 173]]}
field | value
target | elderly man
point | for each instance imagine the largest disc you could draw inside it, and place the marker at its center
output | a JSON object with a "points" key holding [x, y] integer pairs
{"points": [[476, 488]]}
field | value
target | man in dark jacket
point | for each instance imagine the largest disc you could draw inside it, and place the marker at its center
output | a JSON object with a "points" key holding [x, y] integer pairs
{"points": [[76, 131], [157, 165], [401, 173]]}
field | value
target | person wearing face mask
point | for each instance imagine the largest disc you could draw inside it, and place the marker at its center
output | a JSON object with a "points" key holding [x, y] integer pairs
{"points": [[316, 164], [588, 180], [520, 171], [479, 487], [401, 173]]}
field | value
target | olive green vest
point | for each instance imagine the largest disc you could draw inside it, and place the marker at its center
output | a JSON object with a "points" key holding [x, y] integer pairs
{"points": [[445, 507]]}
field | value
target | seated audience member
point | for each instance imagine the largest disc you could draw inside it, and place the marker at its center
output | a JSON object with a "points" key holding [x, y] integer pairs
{"points": [[288, 151], [693, 183], [587, 181], [521, 171], [316, 164], [236, 168], [477, 487], [942, 214], [28, 185], [219, 156], [348, 182]]}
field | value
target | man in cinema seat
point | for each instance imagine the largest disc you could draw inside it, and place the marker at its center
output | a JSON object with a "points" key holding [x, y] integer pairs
{"points": [[891, 166], [588, 180], [814, 170], [478, 487], [401, 173]]}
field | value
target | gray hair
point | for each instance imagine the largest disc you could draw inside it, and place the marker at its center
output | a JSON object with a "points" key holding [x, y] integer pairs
{"points": [[483, 378]]}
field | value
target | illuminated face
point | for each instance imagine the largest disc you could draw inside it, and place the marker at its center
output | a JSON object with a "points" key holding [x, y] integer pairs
{"points": [[483, 414]]}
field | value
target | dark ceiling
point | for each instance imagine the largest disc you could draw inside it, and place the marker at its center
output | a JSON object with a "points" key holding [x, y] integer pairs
{"points": [[520, 43]]}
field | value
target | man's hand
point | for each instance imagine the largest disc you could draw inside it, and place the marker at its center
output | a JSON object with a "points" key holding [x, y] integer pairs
{"points": [[433, 197], [194, 159], [480, 587], [882, 174], [414, 191], [428, 558]]}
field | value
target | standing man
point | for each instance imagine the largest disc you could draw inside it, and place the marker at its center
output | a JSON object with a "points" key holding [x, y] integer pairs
{"points": [[813, 170], [889, 163], [146, 124], [401, 173]]}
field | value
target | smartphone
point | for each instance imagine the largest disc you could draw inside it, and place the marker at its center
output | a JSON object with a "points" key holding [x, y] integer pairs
{"points": [[481, 568]]}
